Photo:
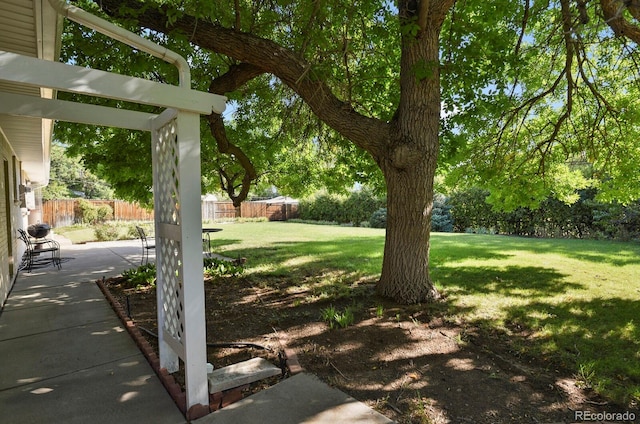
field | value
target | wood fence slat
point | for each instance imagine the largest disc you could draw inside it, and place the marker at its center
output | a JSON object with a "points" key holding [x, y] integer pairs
{"points": [[62, 212]]}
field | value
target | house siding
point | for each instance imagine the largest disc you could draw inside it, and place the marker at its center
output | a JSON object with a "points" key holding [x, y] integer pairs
{"points": [[9, 219]]}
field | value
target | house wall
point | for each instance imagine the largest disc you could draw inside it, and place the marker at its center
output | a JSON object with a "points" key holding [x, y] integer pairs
{"points": [[10, 218]]}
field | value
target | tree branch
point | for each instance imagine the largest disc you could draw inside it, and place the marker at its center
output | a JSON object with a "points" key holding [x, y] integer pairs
{"points": [[368, 133], [613, 11], [237, 76]]}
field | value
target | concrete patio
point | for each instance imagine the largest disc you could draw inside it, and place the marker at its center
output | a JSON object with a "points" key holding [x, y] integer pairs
{"points": [[66, 358]]}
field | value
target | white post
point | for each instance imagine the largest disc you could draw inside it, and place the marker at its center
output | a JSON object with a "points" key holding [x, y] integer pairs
{"points": [[180, 281], [194, 337]]}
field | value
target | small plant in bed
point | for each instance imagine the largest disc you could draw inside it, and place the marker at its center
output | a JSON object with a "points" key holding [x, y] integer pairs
{"points": [[142, 276], [216, 266]]}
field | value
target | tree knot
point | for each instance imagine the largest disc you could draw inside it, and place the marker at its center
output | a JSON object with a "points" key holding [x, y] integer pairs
{"points": [[404, 156]]}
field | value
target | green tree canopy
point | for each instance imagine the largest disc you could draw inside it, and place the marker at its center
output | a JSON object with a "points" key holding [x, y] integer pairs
{"points": [[553, 107], [69, 178]]}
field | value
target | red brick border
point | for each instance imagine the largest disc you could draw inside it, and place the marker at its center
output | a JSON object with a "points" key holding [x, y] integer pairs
{"points": [[216, 400], [167, 380]]}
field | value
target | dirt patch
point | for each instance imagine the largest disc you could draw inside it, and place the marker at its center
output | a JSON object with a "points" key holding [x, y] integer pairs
{"points": [[413, 364]]}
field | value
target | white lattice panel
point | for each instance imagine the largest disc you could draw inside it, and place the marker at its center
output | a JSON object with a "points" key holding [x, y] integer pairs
{"points": [[168, 250], [166, 188]]}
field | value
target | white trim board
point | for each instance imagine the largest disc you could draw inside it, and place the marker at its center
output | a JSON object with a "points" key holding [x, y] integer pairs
{"points": [[36, 107], [21, 69]]}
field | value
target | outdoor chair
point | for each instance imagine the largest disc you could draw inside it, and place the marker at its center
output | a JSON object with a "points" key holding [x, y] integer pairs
{"points": [[39, 251], [147, 244]]}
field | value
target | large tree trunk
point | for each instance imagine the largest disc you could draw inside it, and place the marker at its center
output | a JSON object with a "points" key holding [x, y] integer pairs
{"points": [[405, 267], [410, 164]]}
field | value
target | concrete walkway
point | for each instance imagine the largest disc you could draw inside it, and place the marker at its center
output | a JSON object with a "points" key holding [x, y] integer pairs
{"points": [[64, 355], [66, 358], [302, 398]]}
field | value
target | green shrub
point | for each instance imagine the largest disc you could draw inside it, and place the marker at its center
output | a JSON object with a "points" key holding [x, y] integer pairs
{"points": [[104, 213], [144, 275], [379, 218], [586, 218], [324, 207], [215, 266], [469, 209], [86, 212], [107, 231], [360, 205], [132, 232], [354, 209]]}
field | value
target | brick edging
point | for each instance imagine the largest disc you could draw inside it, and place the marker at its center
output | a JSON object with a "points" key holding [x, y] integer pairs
{"points": [[167, 380], [216, 400]]}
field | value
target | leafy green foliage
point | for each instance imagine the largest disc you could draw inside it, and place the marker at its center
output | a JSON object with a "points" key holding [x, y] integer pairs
{"points": [[89, 213], [471, 210], [289, 147], [107, 231], [324, 207], [354, 209], [216, 266], [586, 218], [359, 206], [142, 276], [69, 178], [548, 109], [336, 318]]}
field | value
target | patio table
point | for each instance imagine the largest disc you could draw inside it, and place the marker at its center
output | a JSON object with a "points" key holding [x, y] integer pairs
{"points": [[206, 237]]}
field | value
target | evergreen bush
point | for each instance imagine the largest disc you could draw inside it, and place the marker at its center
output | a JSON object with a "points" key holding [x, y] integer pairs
{"points": [[441, 219], [379, 218]]}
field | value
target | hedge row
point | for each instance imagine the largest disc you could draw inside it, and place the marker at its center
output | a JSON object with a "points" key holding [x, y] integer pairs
{"points": [[355, 209], [468, 211], [363, 208], [587, 218]]}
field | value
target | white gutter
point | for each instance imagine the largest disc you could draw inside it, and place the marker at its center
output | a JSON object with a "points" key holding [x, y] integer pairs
{"points": [[134, 40]]}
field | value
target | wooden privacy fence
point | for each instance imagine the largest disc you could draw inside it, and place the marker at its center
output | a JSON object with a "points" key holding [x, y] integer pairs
{"points": [[277, 211], [61, 213]]}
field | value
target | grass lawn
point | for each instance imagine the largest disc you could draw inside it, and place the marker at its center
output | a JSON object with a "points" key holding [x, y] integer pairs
{"points": [[574, 304], [77, 234]]}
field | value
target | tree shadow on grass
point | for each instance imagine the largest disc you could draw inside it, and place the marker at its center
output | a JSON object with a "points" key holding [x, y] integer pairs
{"points": [[422, 369], [452, 247], [509, 281], [218, 242], [363, 254], [601, 251], [597, 339]]}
